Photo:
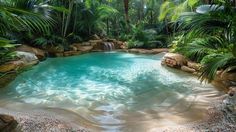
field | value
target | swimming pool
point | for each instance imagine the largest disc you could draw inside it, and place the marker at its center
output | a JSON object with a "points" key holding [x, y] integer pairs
{"points": [[114, 91]]}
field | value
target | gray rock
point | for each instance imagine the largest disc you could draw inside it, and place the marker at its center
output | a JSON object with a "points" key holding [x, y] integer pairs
{"points": [[27, 58]]}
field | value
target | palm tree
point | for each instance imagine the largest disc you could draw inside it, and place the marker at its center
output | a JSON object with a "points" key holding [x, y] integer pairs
{"points": [[95, 17]]}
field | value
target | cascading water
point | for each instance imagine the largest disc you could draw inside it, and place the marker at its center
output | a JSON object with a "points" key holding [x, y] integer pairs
{"points": [[109, 46]]}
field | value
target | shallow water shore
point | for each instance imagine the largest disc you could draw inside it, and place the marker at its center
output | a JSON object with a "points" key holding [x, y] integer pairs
{"points": [[44, 119], [59, 120], [217, 120]]}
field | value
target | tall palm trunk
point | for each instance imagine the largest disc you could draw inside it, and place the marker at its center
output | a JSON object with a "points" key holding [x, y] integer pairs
{"points": [[107, 21], [68, 18], [142, 9], [126, 6], [75, 17]]}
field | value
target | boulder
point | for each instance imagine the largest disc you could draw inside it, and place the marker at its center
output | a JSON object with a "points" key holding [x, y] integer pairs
{"points": [[221, 76], [229, 103], [133, 50], [7, 123], [228, 76], [224, 79], [232, 91], [7, 67], [160, 50], [188, 69], [54, 49], [77, 45], [95, 37], [123, 47], [11, 66], [85, 44], [73, 48], [6, 79], [98, 46], [41, 55], [219, 84], [119, 43], [59, 54], [27, 58], [94, 44], [71, 53], [95, 41], [174, 60], [111, 40], [140, 51], [194, 65], [147, 51], [85, 49], [169, 62]]}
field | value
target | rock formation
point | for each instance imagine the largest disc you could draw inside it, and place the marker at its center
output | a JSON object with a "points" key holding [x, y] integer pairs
{"points": [[7, 123]]}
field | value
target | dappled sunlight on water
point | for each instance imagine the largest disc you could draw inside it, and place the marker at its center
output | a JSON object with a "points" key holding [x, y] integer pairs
{"points": [[115, 91]]}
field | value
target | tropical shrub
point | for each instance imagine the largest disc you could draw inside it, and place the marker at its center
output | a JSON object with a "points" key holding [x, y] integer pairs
{"points": [[139, 37], [16, 18], [209, 38]]}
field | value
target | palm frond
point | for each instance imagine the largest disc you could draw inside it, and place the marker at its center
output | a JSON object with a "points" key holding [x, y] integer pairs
{"points": [[214, 62]]}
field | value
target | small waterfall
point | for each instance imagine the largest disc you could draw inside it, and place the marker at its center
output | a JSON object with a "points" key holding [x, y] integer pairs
{"points": [[109, 46]]}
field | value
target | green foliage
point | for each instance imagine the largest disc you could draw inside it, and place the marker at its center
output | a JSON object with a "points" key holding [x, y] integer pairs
{"points": [[6, 52], [213, 62], [172, 10], [92, 17], [166, 7], [19, 15], [48, 40], [139, 37], [208, 37], [16, 18]]}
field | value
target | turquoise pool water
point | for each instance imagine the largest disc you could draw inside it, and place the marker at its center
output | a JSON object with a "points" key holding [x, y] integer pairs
{"points": [[114, 91]]}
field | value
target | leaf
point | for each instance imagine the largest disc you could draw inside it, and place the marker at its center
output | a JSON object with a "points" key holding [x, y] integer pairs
{"points": [[165, 8], [192, 3], [202, 9], [215, 62]]}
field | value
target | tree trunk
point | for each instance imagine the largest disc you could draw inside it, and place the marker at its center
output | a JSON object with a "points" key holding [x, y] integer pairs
{"points": [[107, 21], [142, 9], [76, 15], [68, 18], [126, 6]]}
